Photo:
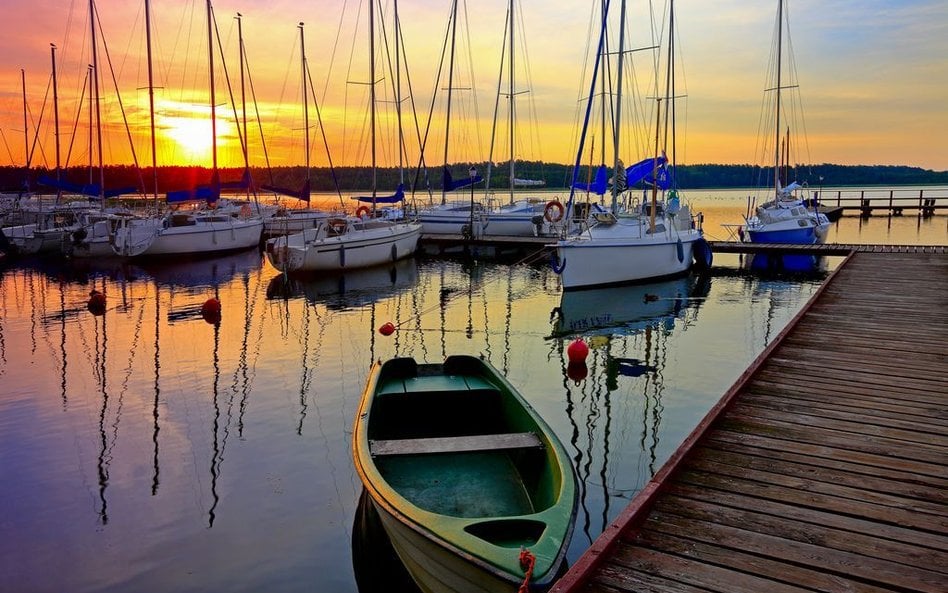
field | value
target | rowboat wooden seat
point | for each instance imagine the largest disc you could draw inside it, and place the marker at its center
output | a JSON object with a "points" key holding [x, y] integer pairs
{"points": [[455, 444]]}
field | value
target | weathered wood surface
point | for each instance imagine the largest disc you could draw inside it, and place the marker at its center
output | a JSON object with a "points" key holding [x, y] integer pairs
{"points": [[824, 468], [479, 442]]}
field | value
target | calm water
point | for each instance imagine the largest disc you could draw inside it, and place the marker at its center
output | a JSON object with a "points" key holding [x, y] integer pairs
{"points": [[149, 450]]}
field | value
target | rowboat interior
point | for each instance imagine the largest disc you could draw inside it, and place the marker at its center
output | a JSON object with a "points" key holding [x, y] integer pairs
{"points": [[451, 443]]}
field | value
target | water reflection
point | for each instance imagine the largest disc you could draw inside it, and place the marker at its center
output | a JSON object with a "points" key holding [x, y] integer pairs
{"points": [[206, 436], [626, 309], [353, 288], [769, 264], [614, 399]]}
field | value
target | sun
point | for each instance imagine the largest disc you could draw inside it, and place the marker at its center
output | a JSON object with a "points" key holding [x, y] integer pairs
{"points": [[193, 135]]}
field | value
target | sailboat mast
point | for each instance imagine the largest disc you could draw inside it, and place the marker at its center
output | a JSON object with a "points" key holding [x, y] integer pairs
{"points": [[151, 98], [59, 191], [512, 102], [447, 121], [26, 135], [243, 95], [372, 93], [658, 119], [398, 96], [210, 64], [615, 140], [604, 49], [671, 82], [589, 106], [305, 101], [777, 110], [95, 93], [89, 74]]}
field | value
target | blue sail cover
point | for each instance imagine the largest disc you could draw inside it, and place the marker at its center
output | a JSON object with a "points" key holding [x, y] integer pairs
{"points": [[301, 194], [207, 193], [203, 193], [398, 196], [642, 171], [599, 184], [450, 184], [92, 190]]}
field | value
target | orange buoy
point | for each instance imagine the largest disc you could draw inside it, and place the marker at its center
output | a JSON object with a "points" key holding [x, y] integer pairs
{"points": [[577, 351], [387, 328]]}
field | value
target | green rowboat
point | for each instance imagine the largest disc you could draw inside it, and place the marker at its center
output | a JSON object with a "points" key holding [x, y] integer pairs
{"points": [[464, 475]]}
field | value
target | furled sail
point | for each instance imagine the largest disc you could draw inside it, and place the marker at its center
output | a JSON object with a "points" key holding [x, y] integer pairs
{"points": [[398, 196], [450, 184], [299, 194]]}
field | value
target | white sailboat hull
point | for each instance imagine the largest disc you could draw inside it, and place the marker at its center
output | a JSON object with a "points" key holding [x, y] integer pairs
{"points": [[373, 245], [28, 239], [206, 235], [624, 252]]}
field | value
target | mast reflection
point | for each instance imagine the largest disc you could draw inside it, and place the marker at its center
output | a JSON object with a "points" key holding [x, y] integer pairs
{"points": [[626, 329]]}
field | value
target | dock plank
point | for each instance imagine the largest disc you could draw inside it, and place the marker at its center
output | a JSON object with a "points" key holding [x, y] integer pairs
{"points": [[825, 466]]}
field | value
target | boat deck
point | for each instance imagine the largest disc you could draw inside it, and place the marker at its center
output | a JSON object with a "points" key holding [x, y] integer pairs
{"points": [[824, 468]]}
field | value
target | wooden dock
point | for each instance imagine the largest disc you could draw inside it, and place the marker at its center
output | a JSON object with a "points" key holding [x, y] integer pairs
{"points": [[820, 248], [825, 466]]}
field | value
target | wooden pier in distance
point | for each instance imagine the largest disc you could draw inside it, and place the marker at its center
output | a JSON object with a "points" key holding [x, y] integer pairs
{"points": [[825, 466]]}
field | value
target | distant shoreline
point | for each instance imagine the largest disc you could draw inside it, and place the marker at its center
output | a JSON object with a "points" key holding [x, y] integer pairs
{"points": [[555, 176]]}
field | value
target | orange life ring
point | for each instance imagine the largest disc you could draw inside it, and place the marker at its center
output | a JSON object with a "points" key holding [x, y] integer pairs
{"points": [[553, 212], [362, 211]]}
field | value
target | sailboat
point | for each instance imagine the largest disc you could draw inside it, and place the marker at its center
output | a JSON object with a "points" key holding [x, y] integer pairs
{"points": [[786, 217], [45, 230], [659, 239], [194, 231], [459, 215], [287, 221], [523, 216], [348, 242]]}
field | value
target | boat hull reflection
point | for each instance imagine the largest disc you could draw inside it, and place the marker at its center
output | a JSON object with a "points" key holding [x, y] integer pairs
{"points": [[352, 288], [626, 309]]}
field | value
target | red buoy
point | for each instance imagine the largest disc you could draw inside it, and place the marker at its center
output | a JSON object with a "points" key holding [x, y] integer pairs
{"points": [[211, 311], [211, 305], [577, 351], [387, 329], [96, 304]]}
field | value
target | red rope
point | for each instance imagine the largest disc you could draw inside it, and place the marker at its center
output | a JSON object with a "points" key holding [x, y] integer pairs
{"points": [[527, 561]]}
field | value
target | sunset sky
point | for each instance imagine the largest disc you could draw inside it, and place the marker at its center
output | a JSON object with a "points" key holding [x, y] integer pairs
{"points": [[872, 75]]}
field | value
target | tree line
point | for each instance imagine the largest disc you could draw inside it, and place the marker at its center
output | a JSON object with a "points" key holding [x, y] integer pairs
{"points": [[553, 176]]}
